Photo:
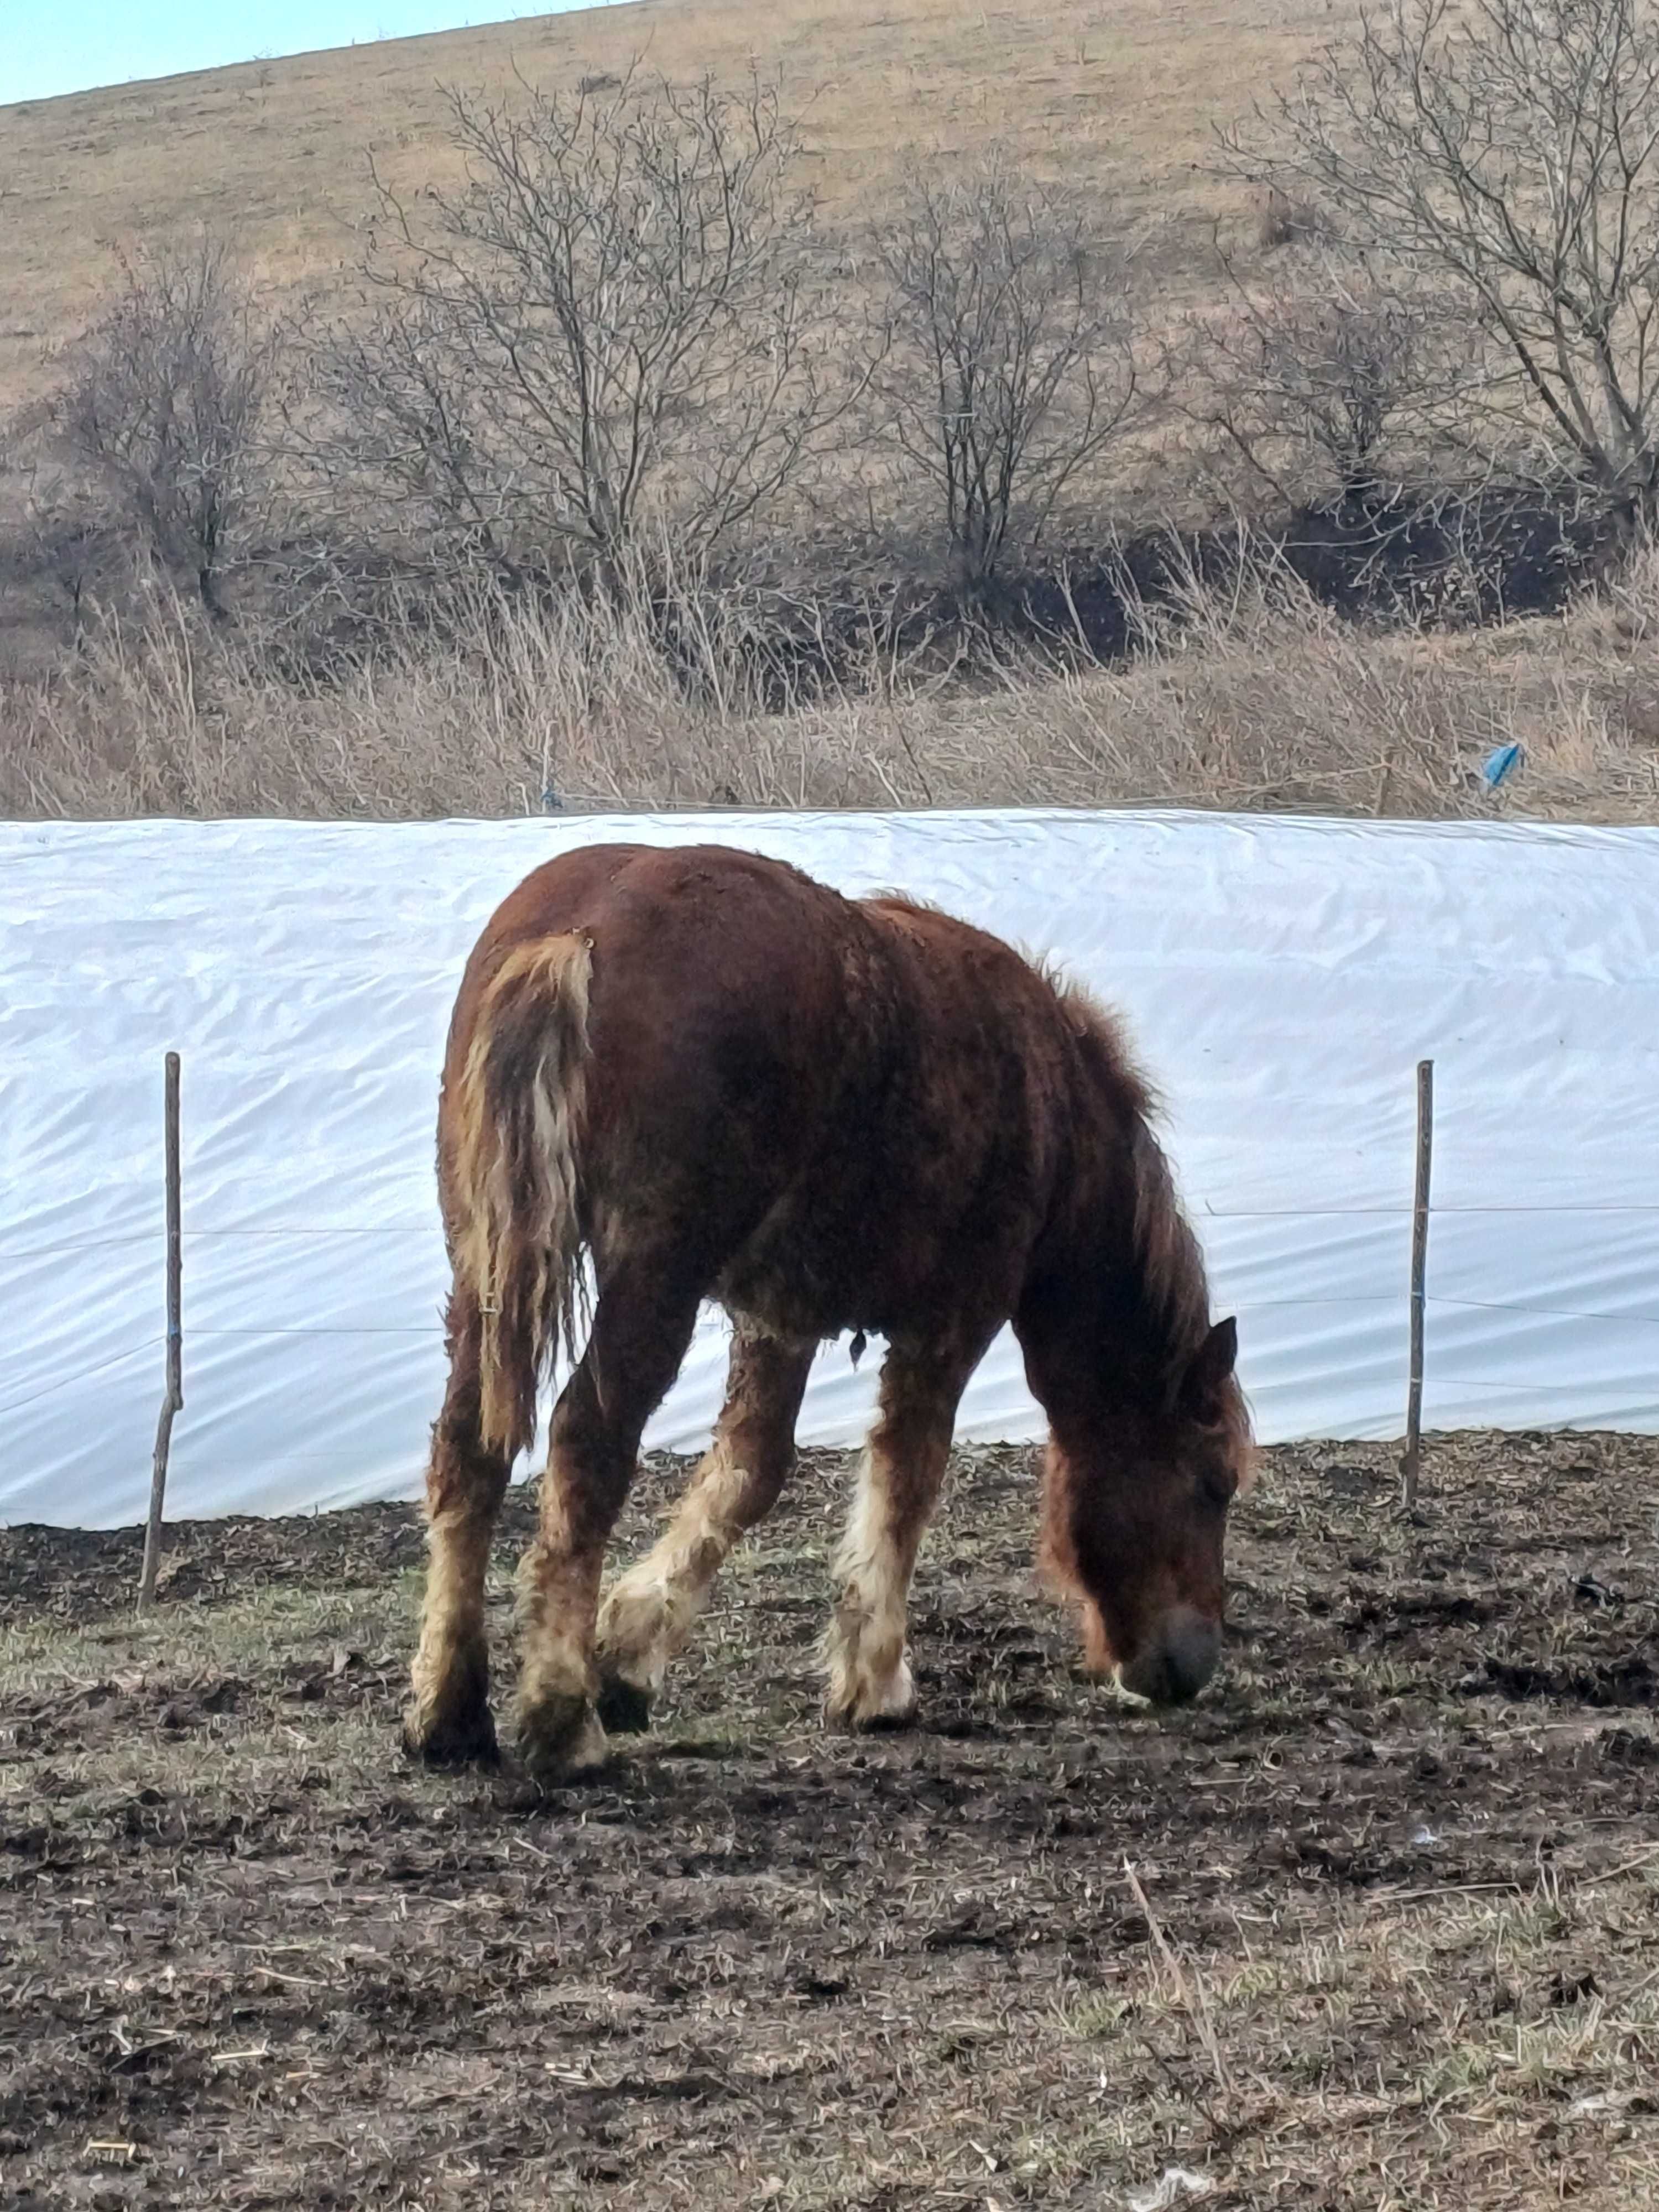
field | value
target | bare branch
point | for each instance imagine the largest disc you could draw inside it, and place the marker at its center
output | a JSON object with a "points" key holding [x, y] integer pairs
{"points": [[1506, 152]]}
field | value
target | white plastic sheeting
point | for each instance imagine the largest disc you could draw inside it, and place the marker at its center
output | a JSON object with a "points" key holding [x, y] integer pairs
{"points": [[1280, 977]]}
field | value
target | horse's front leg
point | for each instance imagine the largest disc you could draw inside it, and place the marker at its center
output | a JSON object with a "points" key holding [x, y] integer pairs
{"points": [[447, 1719], [640, 1332], [901, 1473]]}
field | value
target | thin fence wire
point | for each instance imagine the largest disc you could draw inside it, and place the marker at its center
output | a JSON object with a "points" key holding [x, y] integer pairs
{"points": [[1550, 1313], [1400, 1213], [96, 1244], [433, 1330], [8, 1255], [1534, 1389], [85, 1374], [345, 1329]]}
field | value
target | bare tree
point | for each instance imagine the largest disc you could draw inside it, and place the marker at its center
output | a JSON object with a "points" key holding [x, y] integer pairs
{"points": [[1507, 150], [616, 315], [166, 407], [1005, 340], [1320, 376]]}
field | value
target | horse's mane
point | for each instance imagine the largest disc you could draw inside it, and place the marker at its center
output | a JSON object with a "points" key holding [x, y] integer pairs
{"points": [[1167, 1263], [1174, 1287]]}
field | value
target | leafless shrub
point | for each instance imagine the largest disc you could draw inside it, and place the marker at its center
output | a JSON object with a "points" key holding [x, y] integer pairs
{"points": [[1326, 377], [60, 542], [614, 322], [1004, 345], [1507, 151], [165, 408]]}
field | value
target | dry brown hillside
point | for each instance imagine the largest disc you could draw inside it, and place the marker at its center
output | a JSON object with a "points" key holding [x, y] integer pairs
{"points": [[1265, 699], [274, 152]]}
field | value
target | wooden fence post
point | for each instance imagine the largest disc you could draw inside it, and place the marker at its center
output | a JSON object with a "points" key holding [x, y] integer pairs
{"points": [[174, 1397], [1410, 1462]]}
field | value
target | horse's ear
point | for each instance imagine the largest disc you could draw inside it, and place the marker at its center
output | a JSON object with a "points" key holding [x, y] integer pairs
{"points": [[1209, 1370]]}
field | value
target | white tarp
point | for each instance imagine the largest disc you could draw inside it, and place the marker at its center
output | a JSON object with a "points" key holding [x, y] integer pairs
{"points": [[1281, 979]]}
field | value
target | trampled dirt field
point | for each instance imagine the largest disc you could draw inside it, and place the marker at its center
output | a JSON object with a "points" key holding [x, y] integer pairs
{"points": [[1391, 1937]]}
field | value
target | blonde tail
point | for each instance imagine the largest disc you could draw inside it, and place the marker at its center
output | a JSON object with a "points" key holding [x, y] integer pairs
{"points": [[516, 1133]]}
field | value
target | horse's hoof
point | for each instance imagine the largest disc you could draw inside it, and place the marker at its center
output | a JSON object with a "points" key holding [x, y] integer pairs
{"points": [[866, 1708], [884, 1724], [623, 1708], [451, 1739], [848, 1717], [561, 1739], [844, 1720]]}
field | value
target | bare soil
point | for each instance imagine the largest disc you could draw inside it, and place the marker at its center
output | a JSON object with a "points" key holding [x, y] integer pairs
{"points": [[1374, 1925]]}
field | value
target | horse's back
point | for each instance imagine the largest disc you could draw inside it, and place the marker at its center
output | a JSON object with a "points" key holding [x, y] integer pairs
{"points": [[839, 1108], [692, 947]]}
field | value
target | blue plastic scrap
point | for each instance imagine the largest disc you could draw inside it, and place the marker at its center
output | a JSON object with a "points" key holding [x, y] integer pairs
{"points": [[1500, 764]]}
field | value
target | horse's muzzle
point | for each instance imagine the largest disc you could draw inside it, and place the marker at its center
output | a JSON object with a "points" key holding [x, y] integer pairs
{"points": [[1175, 1667]]}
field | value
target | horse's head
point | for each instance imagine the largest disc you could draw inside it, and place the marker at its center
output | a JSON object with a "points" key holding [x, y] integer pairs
{"points": [[1136, 1512]]}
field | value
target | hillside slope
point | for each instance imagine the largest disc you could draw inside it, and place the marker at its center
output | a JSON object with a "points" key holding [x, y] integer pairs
{"points": [[275, 153]]}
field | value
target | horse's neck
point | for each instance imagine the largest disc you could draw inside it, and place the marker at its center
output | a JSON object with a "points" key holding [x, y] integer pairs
{"points": [[1088, 1328]]}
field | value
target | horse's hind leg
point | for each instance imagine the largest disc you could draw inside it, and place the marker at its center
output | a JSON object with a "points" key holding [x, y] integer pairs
{"points": [[899, 1476], [649, 1615], [642, 1327], [447, 1720]]}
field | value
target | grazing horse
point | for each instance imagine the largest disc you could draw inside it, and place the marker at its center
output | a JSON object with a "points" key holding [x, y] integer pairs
{"points": [[697, 1074]]}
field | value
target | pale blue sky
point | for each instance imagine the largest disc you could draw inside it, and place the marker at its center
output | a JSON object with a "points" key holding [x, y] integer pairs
{"points": [[49, 46]]}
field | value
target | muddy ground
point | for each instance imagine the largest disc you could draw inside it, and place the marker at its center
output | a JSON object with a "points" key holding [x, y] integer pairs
{"points": [[1375, 1925]]}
